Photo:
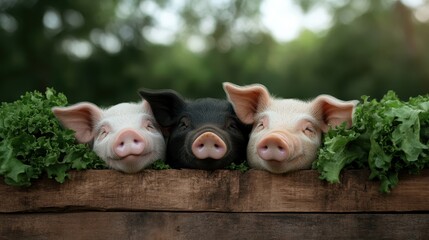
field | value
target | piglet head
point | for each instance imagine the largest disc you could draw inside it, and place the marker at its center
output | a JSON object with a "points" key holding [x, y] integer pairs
{"points": [[125, 136], [286, 133], [201, 134]]}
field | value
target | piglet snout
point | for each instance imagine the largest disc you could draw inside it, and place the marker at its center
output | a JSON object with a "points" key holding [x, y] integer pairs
{"points": [[209, 145], [273, 148], [128, 142]]}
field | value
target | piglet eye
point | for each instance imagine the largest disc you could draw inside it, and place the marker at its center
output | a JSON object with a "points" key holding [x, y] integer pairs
{"points": [[260, 125], [232, 125], [309, 130], [150, 125], [184, 123], [104, 131]]}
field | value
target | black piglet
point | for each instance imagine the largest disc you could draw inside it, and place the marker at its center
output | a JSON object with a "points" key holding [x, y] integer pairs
{"points": [[201, 134]]}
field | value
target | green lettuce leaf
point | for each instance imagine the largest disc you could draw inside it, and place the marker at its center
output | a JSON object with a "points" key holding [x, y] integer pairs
{"points": [[387, 137], [33, 144]]}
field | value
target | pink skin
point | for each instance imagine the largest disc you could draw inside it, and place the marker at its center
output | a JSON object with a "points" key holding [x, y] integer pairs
{"points": [[128, 143], [209, 145]]}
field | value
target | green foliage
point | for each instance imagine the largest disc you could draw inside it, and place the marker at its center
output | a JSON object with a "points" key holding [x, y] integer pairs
{"points": [[160, 165], [242, 167], [387, 136], [372, 47], [32, 142]]}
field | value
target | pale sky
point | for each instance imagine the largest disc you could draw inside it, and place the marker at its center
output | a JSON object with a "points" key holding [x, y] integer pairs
{"points": [[285, 20]]}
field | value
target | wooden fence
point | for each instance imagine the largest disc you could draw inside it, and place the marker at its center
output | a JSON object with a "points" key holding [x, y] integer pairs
{"points": [[223, 204]]}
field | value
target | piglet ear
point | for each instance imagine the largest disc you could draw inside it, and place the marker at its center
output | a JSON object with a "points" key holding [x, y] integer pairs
{"points": [[146, 107], [333, 111], [81, 118], [165, 104], [247, 100]]}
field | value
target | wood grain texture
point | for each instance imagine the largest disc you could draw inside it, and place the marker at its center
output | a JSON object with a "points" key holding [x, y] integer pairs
{"points": [[210, 225], [216, 191]]}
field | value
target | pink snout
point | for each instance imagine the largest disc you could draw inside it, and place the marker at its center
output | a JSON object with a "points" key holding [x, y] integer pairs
{"points": [[273, 148], [128, 142], [209, 145]]}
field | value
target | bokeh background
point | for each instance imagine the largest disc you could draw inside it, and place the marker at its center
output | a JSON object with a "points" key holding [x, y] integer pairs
{"points": [[104, 50]]}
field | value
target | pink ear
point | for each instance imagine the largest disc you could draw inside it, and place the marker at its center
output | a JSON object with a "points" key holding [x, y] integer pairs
{"points": [[146, 107], [81, 118], [247, 100], [333, 111]]}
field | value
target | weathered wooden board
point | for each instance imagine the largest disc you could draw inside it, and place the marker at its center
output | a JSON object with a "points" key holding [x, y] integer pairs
{"points": [[217, 191], [210, 225]]}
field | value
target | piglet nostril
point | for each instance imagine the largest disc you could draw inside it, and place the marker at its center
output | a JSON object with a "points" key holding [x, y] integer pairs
{"points": [[128, 142], [272, 147], [209, 145]]}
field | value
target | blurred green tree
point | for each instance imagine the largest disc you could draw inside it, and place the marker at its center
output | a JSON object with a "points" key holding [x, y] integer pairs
{"points": [[378, 48], [103, 51]]}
